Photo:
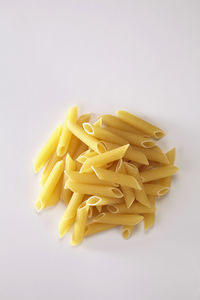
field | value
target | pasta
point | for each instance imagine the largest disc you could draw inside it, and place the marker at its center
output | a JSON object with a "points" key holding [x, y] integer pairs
{"points": [[108, 173], [66, 134], [140, 124], [48, 149]]}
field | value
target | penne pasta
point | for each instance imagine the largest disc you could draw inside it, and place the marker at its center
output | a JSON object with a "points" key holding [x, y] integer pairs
{"points": [[118, 219], [140, 124], [92, 189], [70, 165], [171, 157], [85, 155], [103, 134], [136, 208], [50, 164], [132, 138], [66, 134], [48, 149], [103, 159], [80, 224], [149, 219], [127, 231], [99, 122], [158, 173], [154, 154], [100, 201], [90, 141], [97, 227], [155, 189]]}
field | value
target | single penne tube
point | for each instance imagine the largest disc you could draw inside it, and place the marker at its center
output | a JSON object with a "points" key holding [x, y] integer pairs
{"points": [[93, 189], [115, 177], [104, 158], [48, 168], [127, 231], [51, 183], [155, 189], [158, 173], [149, 218], [133, 139], [154, 154], [66, 134], [70, 165], [103, 134], [48, 149], [129, 195], [136, 208], [88, 178], [100, 201], [97, 227], [118, 219], [171, 157], [115, 122], [140, 124], [70, 214], [80, 224], [140, 195], [90, 141]]}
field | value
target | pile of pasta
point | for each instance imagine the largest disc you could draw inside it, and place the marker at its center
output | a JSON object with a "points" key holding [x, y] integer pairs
{"points": [[108, 173]]}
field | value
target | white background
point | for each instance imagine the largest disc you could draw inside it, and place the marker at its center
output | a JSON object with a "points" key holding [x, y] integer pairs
{"points": [[143, 56]]}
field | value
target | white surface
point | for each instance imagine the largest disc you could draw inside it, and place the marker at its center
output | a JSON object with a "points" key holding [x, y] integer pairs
{"points": [[137, 55]]}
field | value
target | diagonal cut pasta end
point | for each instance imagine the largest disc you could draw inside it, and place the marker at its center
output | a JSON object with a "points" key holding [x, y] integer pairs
{"points": [[158, 134]]}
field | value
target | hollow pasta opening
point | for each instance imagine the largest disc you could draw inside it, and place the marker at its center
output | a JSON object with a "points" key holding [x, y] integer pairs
{"points": [[112, 209], [88, 128], [148, 144], [163, 191], [98, 217], [126, 233], [117, 192], [159, 134], [101, 147], [94, 200]]}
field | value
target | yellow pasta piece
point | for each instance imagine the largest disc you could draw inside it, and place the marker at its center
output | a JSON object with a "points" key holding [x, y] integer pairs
{"points": [[90, 141], [132, 138], [66, 135], [99, 122], [80, 224], [171, 157], [127, 231], [83, 118], [120, 178], [93, 189], [136, 208], [48, 149], [149, 219], [119, 124], [103, 134], [50, 184], [97, 227], [100, 201], [70, 165], [129, 195], [70, 214], [51, 163], [85, 155], [118, 219], [154, 154], [158, 173], [103, 159], [155, 189], [140, 124], [140, 195]]}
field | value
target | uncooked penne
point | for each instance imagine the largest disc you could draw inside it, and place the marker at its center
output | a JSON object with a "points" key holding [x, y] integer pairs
{"points": [[118, 219], [100, 201], [103, 159], [149, 219], [70, 165], [140, 124], [80, 224], [155, 189], [171, 157], [136, 208], [97, 227], [158, 173], [153, 154], [48, 149], [48, 168], [90, 141], [93, 189], [85, 155], [127, 231]]}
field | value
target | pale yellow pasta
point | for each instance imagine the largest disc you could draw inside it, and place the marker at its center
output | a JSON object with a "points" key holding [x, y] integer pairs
{"points": [[48, 168], [50, 184], [127, 231], [132, 138], [70, 165], [83, 118], [85, 155], [158, 173], [154, 154], [88, 178], [104, 158], [48, 149], [136, 208], [155, 189], [118, 219], [140, 195], [90, 211], [129, 195], [171, 157], [81, 148], [103, 134], [140, 124], [149, 219], [97, 227], [70, 214], [100, 201], [119, 178], [93, 189], [119, 124], [66, 135], [80, 224], [90, 141], [99, 122]]}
